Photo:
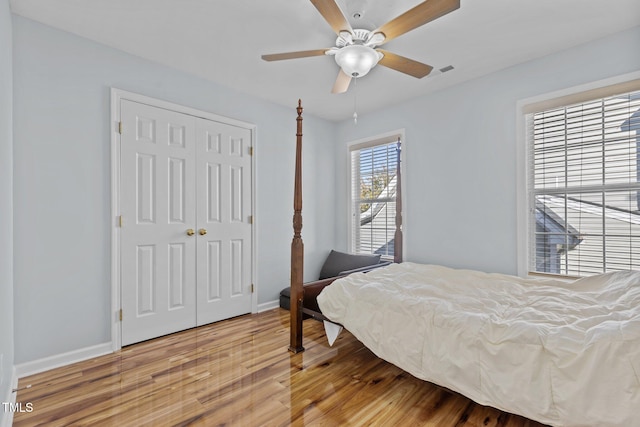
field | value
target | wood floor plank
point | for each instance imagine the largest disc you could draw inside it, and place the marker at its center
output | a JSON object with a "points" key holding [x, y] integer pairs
{"points": [[239, 372]]}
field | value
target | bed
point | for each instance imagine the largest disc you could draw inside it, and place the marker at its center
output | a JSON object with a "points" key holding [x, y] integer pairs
{"points": [[558, 352]]}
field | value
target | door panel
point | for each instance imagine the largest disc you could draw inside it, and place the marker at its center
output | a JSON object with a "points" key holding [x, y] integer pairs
{"points": [[214, 191], [177, 191], [177, 270], [146, 279], [145, 181], [237, 262], [214, 271], [158, 206]]}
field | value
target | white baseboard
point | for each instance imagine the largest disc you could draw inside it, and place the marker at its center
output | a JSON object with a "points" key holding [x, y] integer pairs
{"points": [[265, 306], [51, 362], [6, 417]]}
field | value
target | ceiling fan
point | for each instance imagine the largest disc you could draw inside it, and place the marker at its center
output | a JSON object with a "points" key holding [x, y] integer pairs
{"points": [[356, 50]]}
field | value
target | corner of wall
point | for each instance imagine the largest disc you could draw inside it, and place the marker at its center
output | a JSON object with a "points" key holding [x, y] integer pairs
{"points": [[8, 377]]}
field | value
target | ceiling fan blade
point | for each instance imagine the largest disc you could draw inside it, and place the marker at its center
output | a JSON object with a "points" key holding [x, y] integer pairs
{"points": [[294, 55], [332, 13], [425, 12], [342, 83], [404, 65]]}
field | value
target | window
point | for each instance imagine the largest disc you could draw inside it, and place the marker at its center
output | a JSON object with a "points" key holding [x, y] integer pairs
{"points": [[373, 196], [583, 185]]}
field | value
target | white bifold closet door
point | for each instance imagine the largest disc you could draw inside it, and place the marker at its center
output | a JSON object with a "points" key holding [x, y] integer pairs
{"points": [[223, 191], [186, 232]]}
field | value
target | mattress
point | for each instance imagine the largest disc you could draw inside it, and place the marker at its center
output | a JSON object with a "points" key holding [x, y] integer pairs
{"points": [[562, 353]]}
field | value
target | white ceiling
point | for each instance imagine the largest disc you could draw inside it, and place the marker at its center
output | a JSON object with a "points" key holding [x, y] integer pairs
{"points": [[222, 40]]}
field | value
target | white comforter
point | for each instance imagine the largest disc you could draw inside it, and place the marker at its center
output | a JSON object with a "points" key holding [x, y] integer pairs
{"points": [[566, 354]]}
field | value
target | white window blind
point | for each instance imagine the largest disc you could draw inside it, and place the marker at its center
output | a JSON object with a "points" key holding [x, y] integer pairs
{"points": [[584, 190], [373, 198]]}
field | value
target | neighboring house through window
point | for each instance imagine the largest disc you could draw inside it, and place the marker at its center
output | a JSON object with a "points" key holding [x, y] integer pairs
{"points": [[373, 166], [583, 181]]}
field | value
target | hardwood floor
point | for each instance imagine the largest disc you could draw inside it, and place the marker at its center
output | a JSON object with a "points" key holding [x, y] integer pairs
{"points": [[239, 372]]}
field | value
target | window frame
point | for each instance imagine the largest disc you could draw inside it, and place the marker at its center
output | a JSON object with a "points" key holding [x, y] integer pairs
{"points": [[367, 142], [599, 89]]}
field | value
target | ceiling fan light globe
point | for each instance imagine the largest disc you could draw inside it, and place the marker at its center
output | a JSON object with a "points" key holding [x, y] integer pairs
{"points": [[356, 60]]}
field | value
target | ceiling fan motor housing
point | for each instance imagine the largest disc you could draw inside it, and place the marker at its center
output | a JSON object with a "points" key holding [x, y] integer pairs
{"points": [[359, 36]]}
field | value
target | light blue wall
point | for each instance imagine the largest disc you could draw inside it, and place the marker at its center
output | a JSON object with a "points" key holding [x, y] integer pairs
{"points": [[460, 182], [6, 205], [460, 187], [62, 181]]}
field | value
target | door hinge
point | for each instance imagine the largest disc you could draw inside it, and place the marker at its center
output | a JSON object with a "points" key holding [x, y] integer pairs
{"points": [[120, 128], [251, 151], [120, 221], [250, 219], [120, 315], [252, 288]]}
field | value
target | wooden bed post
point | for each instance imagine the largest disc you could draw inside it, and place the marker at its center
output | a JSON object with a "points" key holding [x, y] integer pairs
{"points": [[297, 248], [397, 239]]}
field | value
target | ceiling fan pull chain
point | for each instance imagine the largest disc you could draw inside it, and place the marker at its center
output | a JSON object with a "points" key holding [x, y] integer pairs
{"points": [[355, 101]]}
